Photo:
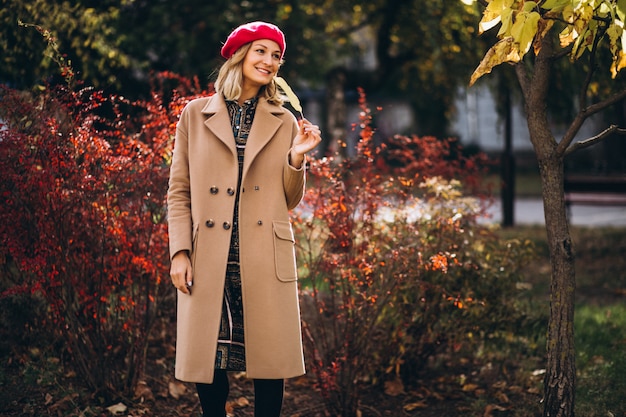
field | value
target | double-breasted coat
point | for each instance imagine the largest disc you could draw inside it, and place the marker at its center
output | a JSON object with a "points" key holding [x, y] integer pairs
{"points": [[201, 199]]}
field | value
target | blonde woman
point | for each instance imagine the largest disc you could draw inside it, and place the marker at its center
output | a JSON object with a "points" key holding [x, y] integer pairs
{"points": [[237, 170]]}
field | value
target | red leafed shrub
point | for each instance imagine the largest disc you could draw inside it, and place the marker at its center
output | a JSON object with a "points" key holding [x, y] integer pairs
{"points": [[84, 180], [395, 265]]}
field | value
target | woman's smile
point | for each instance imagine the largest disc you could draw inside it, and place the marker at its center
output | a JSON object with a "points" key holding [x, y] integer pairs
{"points": [[260, 65]]}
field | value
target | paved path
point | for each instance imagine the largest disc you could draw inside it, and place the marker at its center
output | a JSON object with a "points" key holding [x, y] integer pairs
{"points": [[530, 211]]}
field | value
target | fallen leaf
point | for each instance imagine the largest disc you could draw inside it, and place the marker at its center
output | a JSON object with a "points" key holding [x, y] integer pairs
{"points": [[143, 391], [491, 408], [414, 406], [394, 388], [470, 387], [499, 385], [438, 396], [62, 404], [117, 408], [177, 389], [502, 397]]}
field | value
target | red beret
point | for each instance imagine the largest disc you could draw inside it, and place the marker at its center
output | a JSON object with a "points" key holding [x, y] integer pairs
{"points": [[251, 32]]}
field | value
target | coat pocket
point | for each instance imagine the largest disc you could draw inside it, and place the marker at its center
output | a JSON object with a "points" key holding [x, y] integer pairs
{"points": [[284, 252]]}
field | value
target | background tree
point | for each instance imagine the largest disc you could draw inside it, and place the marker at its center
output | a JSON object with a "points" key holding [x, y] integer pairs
{"points": [[84, 30], [555, 30], [423, 49]]}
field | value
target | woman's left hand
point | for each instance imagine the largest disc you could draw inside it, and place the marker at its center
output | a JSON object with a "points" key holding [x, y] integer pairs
{"points": [[307, 138]]}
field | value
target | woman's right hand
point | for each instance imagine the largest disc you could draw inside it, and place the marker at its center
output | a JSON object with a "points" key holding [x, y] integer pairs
{"points": [[180, 272]]}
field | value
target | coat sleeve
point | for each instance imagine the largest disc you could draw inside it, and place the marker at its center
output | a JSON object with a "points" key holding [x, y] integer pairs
{"points": [[178, 196], [294, 179]]}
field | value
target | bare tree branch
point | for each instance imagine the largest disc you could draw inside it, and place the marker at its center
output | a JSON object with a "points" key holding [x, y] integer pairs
{"points": [[583, 115], [595, 139], [563, 53]]}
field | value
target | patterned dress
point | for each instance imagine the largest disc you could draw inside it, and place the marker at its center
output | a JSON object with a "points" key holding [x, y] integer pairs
{"points": [[231, 353]]}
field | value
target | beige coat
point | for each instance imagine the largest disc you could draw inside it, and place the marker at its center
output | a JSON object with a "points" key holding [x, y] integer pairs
{"points": [[201, 198]]}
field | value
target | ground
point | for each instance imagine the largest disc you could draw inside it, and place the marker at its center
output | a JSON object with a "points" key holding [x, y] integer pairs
{"points": [[35, 379], [35, 383]]}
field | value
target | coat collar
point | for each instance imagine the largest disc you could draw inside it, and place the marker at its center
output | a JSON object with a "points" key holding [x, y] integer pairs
{"points": [[266, 122]]}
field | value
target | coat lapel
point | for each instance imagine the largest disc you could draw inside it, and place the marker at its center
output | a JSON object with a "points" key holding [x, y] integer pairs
{"points": [[264, 127], [218, 122]]}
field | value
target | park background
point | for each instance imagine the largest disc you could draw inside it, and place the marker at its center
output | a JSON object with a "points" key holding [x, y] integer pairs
{"points": [[412, 61]]}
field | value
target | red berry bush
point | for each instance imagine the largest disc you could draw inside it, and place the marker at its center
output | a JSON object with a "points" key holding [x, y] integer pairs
{"points": [[82, 225], [396, 267]]}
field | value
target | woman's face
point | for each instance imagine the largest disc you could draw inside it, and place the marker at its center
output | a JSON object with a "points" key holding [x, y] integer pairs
{"points": [[261, 63]]}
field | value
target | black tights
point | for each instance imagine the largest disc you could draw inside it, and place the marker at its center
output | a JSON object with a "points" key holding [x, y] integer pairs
{"points": [[268, 396]]}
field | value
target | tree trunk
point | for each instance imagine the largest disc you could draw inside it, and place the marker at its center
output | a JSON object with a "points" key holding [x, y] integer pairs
{"points": [[336, 114], [560, 379]]}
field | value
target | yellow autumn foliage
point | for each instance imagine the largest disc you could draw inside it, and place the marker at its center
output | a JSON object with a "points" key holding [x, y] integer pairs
{"points": [[526, 23]]}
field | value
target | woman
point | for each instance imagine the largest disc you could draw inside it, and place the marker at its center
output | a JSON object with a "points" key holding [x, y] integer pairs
{"points": [[238, 168]]}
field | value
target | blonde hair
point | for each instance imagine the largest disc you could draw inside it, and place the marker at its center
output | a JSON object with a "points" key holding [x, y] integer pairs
{"points": [[230, 78]]}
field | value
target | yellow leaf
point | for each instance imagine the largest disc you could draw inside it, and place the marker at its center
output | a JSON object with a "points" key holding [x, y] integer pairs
{"points": [[618, 64], [584, 42], [507, 22], [614, 32], [484, 26], [582, 19], [493, 14], [505, 50], [529, 31], [529, 6], [554, 4], [524, 30], [568, 14], [291, 96], [567, 36]]}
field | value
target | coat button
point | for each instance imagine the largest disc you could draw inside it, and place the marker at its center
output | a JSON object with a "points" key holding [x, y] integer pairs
{"points": [[214, 190], [260, 222], [230, 191], [257, 188], [226, 225], [209, 223]]}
